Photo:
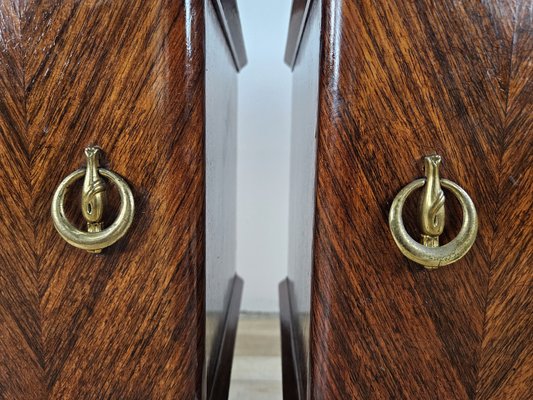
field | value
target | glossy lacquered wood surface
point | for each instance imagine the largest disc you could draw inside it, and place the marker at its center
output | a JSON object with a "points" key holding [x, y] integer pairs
{"points": [[400, 80], [505, 369], [129, 77]]}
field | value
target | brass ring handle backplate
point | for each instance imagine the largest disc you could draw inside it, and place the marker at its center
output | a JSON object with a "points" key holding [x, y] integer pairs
{"points": [[428, 253], [93, 202]]}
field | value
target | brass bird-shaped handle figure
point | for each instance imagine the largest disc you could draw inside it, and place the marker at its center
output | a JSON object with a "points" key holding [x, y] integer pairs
{"points": [[93, 197], [431, 207]]}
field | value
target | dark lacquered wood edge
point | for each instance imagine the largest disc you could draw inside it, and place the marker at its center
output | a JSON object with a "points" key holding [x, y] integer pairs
{"points": [[219, 390], [299, 12], [228, 15], [290, 376]]}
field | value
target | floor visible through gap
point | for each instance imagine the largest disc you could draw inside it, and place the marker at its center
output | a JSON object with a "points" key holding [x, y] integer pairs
{"points": [[256, 372]]}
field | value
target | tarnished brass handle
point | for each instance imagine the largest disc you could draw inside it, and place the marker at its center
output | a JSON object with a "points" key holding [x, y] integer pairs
{"points": [[92, 204], [431, 217]]}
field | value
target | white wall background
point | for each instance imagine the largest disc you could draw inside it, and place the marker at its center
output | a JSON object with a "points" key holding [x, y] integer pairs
{"points": [[263, 153]]}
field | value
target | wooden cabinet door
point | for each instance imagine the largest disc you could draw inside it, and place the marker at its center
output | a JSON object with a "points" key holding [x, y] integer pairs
{"points": [[381, 84], [128, 76]]}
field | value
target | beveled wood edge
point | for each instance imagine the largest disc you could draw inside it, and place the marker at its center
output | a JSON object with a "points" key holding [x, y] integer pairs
{"points": [[298, 20], [228, 16], [292, 387], [219, 390]]}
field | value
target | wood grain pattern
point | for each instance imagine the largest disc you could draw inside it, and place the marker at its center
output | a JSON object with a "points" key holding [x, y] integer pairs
{"points": [[506, 360], [128, 76], [21, 343], [400, 80]]}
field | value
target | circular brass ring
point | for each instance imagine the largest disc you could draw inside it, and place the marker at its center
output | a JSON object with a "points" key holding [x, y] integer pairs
{"points": [[93, 240], [434, 257]]}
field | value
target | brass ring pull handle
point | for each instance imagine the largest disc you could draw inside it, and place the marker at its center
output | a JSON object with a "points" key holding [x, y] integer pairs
{"points": [[93, 202], [431, 218]]}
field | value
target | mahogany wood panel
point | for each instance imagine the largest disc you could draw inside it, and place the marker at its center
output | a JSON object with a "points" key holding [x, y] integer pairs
{"points": [[128, 76], [20, 323], [506, 360], [400, 80]]}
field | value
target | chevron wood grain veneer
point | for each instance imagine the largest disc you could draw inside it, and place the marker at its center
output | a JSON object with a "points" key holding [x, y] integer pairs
{"points": [[381, 84], [130, 77]]}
